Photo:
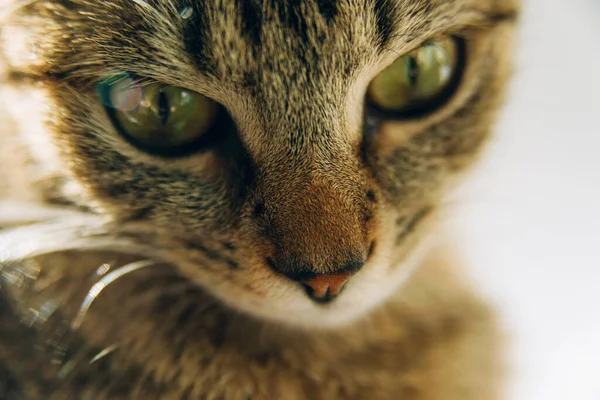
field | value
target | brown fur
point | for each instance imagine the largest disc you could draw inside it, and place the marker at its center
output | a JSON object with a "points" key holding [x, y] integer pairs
{"points": [[300, 184]]}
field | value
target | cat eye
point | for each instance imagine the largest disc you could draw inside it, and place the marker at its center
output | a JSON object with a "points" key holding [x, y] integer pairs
{"points": [[420, 80], [160, 119]]}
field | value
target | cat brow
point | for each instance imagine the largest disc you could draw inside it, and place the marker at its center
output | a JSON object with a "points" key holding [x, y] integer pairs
{"points": [[477, 16]]}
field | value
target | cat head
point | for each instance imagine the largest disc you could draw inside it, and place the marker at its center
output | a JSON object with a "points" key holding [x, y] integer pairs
{"points": [[288, 156]]}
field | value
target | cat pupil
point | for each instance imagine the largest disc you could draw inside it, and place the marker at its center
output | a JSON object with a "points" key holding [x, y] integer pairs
{"points": [[163, 107], [413, 71]]}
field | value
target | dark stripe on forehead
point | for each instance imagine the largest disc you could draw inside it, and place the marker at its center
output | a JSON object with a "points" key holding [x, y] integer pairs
{"points": [[385, 19], [328, 9], [196, 36], [252, 17], [290, 16]]}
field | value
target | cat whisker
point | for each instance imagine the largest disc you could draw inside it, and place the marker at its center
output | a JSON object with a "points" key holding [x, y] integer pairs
{"points": [[23, 213], [30, 232], [106, 351], [106, 280]]}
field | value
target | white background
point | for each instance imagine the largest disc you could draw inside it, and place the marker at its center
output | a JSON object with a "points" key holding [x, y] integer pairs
{"points": [[531, 224]]}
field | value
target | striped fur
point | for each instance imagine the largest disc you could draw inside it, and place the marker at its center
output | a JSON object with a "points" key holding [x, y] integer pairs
{"points": [[305, 179]]}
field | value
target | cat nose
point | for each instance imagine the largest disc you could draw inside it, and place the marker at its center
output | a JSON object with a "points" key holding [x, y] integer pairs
{"points": [[325, 288], [321, 287]]}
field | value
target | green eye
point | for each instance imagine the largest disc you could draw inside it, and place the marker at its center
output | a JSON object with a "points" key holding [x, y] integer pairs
{"points": [[163, 120], [419, 80]]}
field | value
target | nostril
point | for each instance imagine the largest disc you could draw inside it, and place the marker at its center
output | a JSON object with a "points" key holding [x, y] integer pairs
{"points": [[311, 293], [271, 263], [320, 287], [326, 287]]}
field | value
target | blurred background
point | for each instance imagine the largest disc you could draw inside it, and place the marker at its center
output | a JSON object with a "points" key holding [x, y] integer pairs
{"points": [[531, 221]]}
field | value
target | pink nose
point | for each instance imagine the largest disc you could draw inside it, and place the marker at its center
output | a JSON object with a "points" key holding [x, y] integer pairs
{"points": [[325, 287]]}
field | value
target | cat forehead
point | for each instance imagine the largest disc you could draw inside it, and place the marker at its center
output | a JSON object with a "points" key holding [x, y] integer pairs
{"points": [[264, 38], [212, 27], [236, 41], [238, 37]]}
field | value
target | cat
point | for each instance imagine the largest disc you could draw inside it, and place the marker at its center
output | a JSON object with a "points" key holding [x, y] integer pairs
{"points": [[241, 199]]}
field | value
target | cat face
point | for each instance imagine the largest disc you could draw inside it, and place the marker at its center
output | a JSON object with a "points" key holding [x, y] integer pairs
{"points": [[303, 182]]}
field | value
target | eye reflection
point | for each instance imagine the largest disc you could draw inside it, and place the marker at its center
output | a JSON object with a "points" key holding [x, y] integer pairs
{"points": [[125, 93], [157, 118], [126, 96], [420, 81], [186, 12]]}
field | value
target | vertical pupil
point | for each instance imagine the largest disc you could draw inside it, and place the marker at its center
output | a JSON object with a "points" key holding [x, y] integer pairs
{"points": [[163, 107], [413, 70]]}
